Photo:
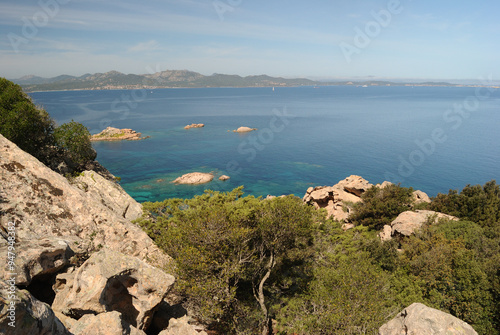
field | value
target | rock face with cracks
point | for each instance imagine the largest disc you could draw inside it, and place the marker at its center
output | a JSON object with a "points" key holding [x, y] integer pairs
{"points": [[43, 204], [110, 281]]}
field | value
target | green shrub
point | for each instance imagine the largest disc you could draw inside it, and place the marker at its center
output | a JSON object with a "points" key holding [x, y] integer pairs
{"points": [[382, 205], [21, 122], [74, 138]]}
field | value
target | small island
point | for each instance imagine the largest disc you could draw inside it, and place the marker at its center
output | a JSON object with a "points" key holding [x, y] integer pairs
{"points": [[194, 178], [244, 130], [115, 134], [194, 125]]}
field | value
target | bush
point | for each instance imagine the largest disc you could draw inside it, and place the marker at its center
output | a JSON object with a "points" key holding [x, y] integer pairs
{"points": [[21, 122], [381, 205], [74, 138]]}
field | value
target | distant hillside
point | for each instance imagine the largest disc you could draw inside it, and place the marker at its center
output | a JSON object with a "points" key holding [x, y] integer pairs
{"points": [[184, 78], [165, 79]]}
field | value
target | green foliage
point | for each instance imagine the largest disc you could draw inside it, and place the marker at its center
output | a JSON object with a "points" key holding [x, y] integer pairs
{"points": [[348, 293], [23, 123], [231, 251], [74, 138], [243, 260], [474, 203], [381, 205], [32, 129]]}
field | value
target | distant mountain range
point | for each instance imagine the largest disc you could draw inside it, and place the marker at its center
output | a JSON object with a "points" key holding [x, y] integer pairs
{"points": [[180, 78]]}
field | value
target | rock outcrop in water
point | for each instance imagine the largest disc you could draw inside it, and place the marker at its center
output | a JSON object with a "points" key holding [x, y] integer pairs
{"points": [[194, 178], [244, 130], [194, 125], [81, 266], [115, 134]]}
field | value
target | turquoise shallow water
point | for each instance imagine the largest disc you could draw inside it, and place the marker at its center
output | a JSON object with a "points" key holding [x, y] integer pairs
{"points": [[430, 138]]}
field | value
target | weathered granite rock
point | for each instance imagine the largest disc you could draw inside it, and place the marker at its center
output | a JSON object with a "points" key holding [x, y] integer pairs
{"points": [[421, 197], [194, 178], [110, 281], [114, 197], [244, 130], [115, 134], [384, 184], [418, 319], [224, 178], [355, 185], [194, 125], [336, 199], [386, 233], [407, 222], [110, 323], [30, 315], [43, 203], [182, 327], [37, 258]]}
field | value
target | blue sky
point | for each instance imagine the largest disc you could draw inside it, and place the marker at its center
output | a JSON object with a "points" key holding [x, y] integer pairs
{"points": [[316, 39]]}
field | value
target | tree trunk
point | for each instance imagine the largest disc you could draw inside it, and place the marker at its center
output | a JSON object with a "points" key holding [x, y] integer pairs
{"points": [[259, 296]]}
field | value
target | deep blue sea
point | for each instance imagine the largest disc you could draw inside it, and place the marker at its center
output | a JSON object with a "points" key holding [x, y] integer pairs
{"points": [[430, 138]]}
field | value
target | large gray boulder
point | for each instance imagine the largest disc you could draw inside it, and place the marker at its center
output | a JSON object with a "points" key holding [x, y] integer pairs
{"points": [[418, 319], [110, 281], [21, 313], [42, 203]]}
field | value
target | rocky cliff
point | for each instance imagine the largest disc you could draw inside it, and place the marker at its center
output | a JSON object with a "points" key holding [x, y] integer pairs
{"points": [[72, 260]]}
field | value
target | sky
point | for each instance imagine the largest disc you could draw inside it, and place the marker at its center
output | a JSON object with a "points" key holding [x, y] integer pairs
{"points": [[316, 39]]}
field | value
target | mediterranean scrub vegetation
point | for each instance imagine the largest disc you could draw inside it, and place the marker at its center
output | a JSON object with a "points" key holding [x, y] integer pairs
{"points": [[251, 266], [33, 130]]}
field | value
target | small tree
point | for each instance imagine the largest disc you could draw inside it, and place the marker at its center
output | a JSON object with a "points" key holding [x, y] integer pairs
{"points": [[21, 122], [74, 138]]}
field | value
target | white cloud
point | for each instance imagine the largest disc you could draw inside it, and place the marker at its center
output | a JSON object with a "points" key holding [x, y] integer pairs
{"points": [[145, 46]]}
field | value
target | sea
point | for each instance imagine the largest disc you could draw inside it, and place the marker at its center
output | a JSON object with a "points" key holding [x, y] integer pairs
{"points": [[430, 138]]}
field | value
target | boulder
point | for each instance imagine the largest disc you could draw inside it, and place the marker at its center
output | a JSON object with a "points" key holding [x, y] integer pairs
{"points": [[337, 199], [42, 203], [182, 327], [37, 258], [355, 185], [408, 222], [418, 319], [421, 197], [30, 316], [386, 233], [114, 197], [110, 323], [110, 281], [224, 178], [194, 178], [244, 130]]}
